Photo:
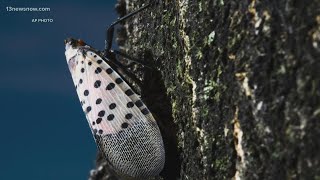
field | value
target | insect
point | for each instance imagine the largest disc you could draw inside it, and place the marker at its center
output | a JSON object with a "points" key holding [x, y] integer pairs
{"points": [[122, 126]]}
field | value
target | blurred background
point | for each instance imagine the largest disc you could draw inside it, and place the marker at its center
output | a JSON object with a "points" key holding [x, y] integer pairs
{"points": [[44, 134]]}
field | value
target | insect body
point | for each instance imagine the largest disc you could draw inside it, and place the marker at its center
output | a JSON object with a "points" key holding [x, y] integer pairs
{"points": [[123, 127]]}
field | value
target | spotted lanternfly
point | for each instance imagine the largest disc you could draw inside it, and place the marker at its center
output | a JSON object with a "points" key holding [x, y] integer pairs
{"points": [[123, 127]]}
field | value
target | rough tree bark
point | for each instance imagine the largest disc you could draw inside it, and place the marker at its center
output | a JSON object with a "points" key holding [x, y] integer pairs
{"points": [[236, 90]]}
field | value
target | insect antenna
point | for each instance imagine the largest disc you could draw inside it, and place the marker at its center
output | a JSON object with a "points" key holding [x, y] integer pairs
{"points": [[110, 30]]}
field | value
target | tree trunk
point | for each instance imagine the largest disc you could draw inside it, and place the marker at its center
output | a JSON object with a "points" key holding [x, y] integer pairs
{"points": [[234, 85]]}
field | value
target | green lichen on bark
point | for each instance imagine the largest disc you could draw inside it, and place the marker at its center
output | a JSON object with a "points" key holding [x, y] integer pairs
{"points": [[242, 82]]}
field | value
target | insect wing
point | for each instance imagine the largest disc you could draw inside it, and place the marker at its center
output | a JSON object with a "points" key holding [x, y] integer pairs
{"points": [[127, 131]]}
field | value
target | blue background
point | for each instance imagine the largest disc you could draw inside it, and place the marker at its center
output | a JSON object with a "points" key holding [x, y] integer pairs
{"points": [[43, 133]]}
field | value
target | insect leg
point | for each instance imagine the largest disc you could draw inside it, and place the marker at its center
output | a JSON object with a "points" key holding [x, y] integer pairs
{"points": [[110, 30], [116, 65], [116, 52]]}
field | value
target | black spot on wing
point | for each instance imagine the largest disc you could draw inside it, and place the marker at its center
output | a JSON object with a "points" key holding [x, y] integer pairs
{"points": [[110, 117], [98, 101], [139, 103], [130, 104], [86, 93], [128, 116], [110, 86], [119, 80], [88, 109], [101, 113], [112, 105], [124, 125], [99, 120], [129, 92], [97, 83], [109, 70], [98, 70], [145, 111]]}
